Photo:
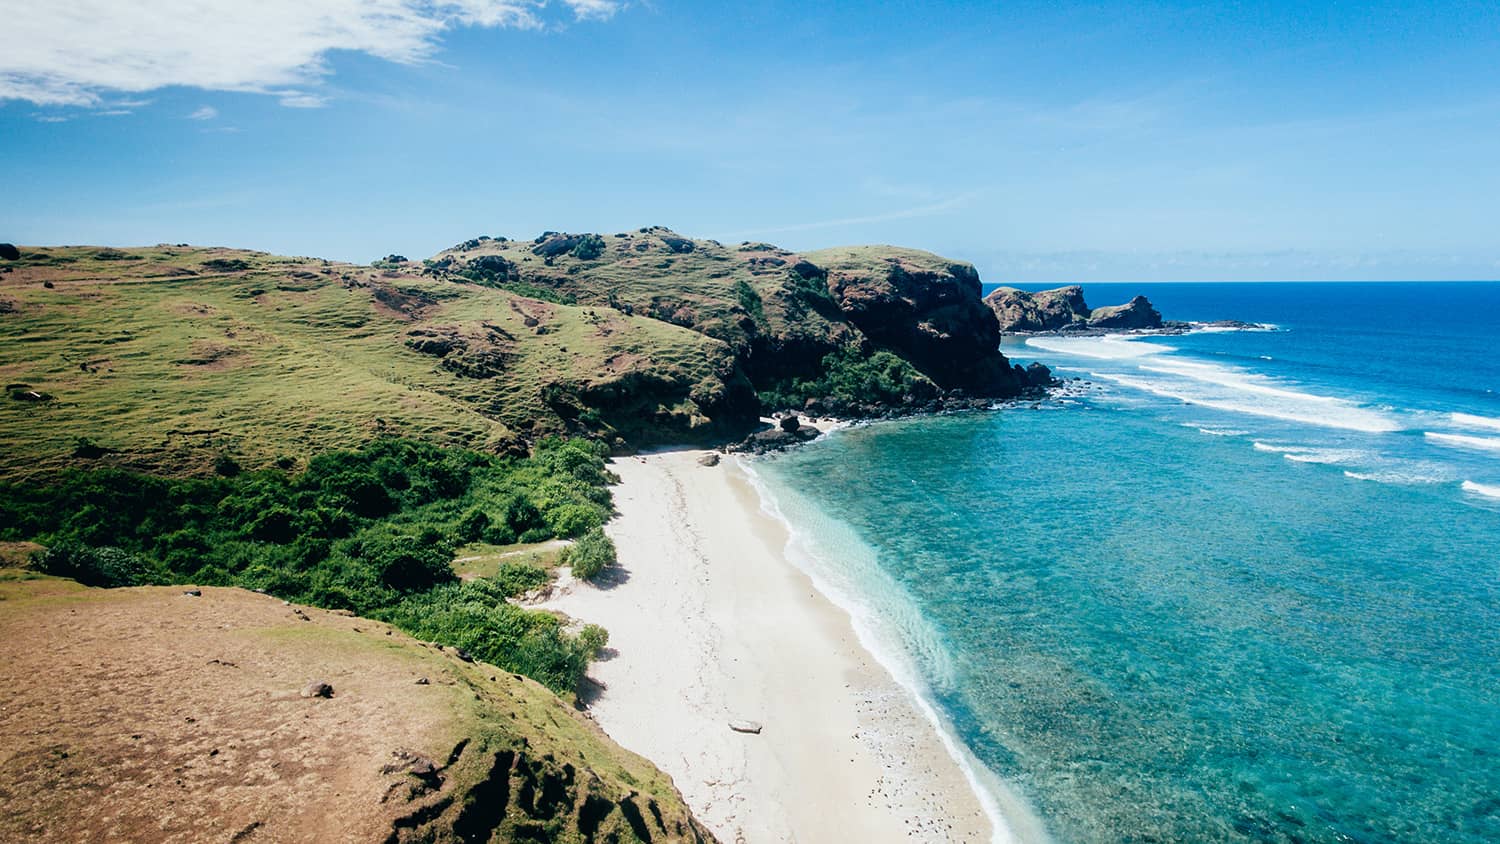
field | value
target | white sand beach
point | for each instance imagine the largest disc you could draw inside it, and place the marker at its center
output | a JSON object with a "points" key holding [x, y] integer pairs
{"points": [[710, 623]]}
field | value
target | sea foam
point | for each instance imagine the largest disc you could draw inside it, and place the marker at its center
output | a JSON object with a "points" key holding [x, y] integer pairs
{"points": [[1485, 490], [1108, 347], [1287, 405], [1469, 420], [1463, 441]]}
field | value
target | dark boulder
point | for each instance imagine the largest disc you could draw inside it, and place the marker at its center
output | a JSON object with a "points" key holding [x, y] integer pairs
{"points": [[9, 252], [1045, 310], [790, 424], [1038, 375], [1138, 313]]}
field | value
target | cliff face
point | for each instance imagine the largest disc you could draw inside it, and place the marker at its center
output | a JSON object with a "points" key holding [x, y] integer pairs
{"points": [[925, 308], [1047, 310], [1063, 309]]}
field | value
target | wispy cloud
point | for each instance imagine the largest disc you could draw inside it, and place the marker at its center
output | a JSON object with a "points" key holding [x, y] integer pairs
{"points": [[929, 210], [72, 52], [204, 113]]}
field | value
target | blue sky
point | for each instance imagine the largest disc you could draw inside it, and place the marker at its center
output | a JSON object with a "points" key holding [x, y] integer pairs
{"points": [[1043, 141]]}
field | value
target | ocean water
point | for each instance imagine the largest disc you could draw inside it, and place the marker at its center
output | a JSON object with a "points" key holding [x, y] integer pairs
{"points": [[1239, 586]]}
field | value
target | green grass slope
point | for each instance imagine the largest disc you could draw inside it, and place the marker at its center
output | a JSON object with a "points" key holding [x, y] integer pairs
{"points": [[165, 358]]}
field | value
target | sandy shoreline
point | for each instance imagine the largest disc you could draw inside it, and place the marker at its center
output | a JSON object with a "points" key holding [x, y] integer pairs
{"points": [[710, 623]]}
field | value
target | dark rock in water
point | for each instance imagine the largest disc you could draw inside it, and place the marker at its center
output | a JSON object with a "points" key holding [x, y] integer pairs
{"points": [[790, 424], [1038, 375], [317, 689], [9, 252], [1047, 310], [1064, 310], [1136, 314]]}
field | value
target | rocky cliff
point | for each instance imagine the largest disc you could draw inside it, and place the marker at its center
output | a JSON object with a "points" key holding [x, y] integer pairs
{"points": [[925, 308], [1064, 309]]}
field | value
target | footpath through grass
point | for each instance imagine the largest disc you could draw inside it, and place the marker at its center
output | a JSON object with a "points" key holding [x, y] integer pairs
{"points": [[372, 531]]}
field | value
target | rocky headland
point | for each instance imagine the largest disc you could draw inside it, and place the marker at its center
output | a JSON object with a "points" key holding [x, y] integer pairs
{"points": [[1062, 310]]}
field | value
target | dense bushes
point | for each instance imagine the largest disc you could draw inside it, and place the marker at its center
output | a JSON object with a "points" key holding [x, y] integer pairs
{"points": [[95, 566], [591, 554], [849, 376], [372, 531]]}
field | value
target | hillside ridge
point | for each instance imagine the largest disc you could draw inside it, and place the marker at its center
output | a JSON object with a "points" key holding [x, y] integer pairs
{"points": [[169, 358]]}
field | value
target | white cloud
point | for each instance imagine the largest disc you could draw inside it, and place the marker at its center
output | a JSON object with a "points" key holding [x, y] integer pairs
{"points": [[205, 113], [594, 9], [70, 52]]}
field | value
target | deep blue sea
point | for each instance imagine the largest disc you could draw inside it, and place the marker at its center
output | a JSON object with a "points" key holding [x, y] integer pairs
{"points": [[1240, 586]]}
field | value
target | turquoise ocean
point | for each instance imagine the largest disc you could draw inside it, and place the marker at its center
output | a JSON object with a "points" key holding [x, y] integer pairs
{"points": [[1231, 586]]}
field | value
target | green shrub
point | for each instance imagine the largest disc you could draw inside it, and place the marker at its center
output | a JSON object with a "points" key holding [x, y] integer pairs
{"points": [[591, 554], [369, 530], [475, 616], [589, 248], [519, 578], [106, 566], [850, 376], [750, 301], [593, 638]]}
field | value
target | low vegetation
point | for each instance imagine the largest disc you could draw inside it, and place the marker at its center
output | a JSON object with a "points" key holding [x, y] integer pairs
{"points": [[372, 531], [590, 555], [853, 377]]}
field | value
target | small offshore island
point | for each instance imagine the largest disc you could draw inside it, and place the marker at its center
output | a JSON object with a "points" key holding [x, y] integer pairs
{"points": [[344, 514]]}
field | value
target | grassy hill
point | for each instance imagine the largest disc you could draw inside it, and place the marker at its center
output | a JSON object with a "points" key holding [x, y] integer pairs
{"points": [[166, 358]]}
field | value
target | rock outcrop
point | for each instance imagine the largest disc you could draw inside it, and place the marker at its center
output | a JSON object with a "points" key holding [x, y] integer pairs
{"points": [[1064, 309], [925, 308], [1138, 313], [1046, 310]]}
